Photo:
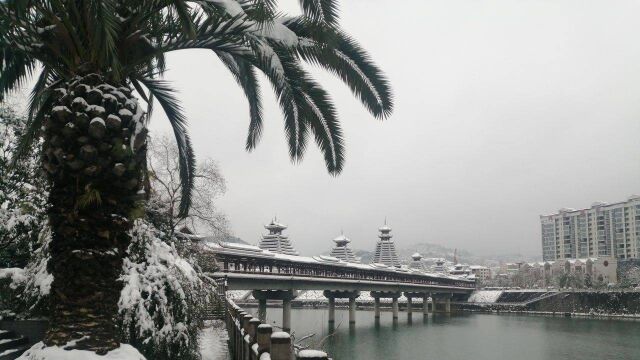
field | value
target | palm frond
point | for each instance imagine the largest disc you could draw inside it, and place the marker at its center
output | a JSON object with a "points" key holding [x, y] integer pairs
{"points": [[105, 31], [321, 11], [126, 42], [306, 106], [245, 75], [268, 61], [39, 101], [15, 69], [337, 52], [165, 94]]}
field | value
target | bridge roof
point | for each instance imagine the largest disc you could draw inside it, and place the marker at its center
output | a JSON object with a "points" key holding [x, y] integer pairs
{"points": [[250, 251]]}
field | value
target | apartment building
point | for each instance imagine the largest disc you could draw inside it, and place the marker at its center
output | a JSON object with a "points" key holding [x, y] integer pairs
{"points": [[603, 230]]}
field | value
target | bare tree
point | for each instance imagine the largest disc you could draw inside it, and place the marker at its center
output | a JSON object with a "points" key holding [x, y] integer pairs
{"points": [[165, 197]]}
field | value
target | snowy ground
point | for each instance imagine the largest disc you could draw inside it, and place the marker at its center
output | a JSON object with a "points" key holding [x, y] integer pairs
{"points": [[213, 341], [41, 352], [485, 296]]}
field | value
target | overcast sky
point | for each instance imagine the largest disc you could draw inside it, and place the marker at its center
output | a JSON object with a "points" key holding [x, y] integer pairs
{"points": [[504, 110]]}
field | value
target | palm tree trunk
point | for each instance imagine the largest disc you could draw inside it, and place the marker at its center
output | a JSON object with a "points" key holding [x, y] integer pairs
{"points": [[94, 153]]}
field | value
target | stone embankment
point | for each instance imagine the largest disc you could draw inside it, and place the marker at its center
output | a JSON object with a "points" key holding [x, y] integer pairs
{"points": [[568, 303]]}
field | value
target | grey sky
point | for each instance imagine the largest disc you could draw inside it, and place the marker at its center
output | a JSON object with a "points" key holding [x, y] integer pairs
{"points": [[504, 110]]}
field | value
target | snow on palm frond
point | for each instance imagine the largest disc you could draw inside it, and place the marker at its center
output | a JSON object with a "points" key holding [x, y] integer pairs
{"points": [[131, 40]]}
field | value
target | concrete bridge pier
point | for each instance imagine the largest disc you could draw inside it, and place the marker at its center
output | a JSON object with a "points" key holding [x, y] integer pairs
{"points": [[394, 308], [286, 315], [332, 310], [393, 295], [352, 310], [445, 303], [285, 295], [376, 308], [333, 295], [425, 303]]}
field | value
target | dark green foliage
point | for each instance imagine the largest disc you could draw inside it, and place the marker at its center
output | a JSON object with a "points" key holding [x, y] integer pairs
{"points": [[23, 195]]}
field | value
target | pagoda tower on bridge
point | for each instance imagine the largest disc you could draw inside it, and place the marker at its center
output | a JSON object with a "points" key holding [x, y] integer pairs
{"points": [[274, 241], [416, 262], [342, 250], [386, 248]]}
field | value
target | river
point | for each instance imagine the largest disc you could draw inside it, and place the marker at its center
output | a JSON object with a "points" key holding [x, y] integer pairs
{"points": [[466, 336]]}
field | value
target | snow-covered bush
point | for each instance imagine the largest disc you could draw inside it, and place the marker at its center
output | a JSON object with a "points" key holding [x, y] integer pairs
{"points": [[629, 273], [24, 291], [162, 298], [23, 195]]}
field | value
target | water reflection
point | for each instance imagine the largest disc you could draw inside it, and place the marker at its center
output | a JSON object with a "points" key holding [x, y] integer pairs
{"points": [[465, 336]]}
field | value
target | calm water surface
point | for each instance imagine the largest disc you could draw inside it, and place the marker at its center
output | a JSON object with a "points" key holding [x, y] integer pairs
{"points": [[467, 336]]}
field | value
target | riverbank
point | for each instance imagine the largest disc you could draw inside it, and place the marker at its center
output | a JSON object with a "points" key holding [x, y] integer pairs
{"points": [[581, 303]]}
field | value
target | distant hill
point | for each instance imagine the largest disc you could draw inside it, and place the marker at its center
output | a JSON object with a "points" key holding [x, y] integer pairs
{"points": [[226, 238], [438, 251]]}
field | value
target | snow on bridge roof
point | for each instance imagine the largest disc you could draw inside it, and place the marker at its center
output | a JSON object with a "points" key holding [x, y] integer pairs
{"points": [[254, 251]]}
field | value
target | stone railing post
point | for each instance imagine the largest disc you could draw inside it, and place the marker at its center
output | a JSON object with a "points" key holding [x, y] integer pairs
{"points": [[253, 329], [264, 338], [312, 355], [239, 336], [280, 346], [246, 338], [253, 336]]}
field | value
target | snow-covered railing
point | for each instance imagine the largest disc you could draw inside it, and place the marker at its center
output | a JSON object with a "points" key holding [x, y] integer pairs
{"points": [[250, 339]]}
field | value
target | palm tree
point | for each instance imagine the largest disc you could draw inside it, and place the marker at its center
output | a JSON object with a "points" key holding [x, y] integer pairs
{"points": [[95, 58]]}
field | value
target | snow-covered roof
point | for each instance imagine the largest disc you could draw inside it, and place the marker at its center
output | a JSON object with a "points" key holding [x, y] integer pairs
{"points": [[254, 251], [341, 240], [274, 224]]}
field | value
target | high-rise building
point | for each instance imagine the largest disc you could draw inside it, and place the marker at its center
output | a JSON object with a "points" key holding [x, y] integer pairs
{"points": [[274, 241], [603, 230], [342, 250], [386, 248]]}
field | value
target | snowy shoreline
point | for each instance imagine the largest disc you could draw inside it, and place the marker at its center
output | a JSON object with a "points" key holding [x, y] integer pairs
{"points": [[602, 316]]}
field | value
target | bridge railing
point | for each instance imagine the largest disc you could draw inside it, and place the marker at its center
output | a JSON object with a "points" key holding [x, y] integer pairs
{"points": [[250, 339]]}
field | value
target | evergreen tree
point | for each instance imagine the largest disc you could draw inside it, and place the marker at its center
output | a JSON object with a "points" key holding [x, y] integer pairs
{"points": [[23, 195]]}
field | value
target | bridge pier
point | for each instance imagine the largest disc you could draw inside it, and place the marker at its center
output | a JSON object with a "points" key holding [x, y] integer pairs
{"points": [[285, 295], [445, 303], [262, 310], [393, 295], [286, 315], [425, 305], [332, 310], [425, 301], [394, 308], [333, 295], [352, 310]]}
